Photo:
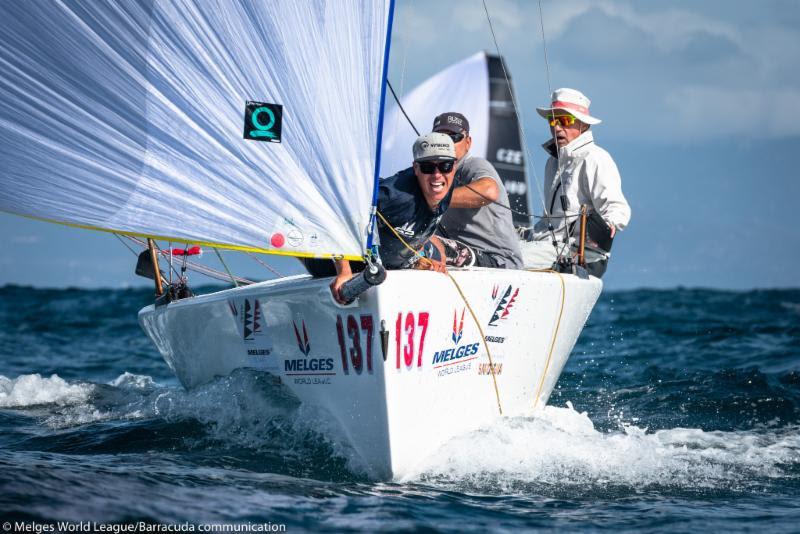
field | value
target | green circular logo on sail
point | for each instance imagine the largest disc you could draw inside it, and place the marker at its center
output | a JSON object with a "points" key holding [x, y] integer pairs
{"points": [[262, 130], [262, 121]]}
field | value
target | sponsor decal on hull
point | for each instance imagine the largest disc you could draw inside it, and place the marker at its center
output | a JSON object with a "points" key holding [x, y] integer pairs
{"points": [[249, 318], [308, 369], [458, 358], [486, 368], [503, 304]]}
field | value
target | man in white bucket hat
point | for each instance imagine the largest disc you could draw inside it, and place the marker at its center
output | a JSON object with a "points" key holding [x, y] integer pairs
{"points": [[577, 173]]}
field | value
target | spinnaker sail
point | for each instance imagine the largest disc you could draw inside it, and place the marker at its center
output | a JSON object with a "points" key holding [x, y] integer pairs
{"points": [[147, 118], [479, 88]]}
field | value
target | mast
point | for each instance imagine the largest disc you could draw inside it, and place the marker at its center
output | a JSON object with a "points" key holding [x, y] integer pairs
{"points": [[504, 149]]}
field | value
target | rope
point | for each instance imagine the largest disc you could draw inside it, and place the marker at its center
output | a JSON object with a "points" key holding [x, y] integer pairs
{"points": [[555, 332], [483, 340], [403, 241], [466, 302]]}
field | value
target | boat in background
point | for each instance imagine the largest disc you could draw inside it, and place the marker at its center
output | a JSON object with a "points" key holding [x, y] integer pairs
{"points": [[479, 87], [127, 118]]}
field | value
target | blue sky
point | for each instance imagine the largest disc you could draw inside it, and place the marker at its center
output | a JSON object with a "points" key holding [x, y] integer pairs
{"points": [[701, 110]]}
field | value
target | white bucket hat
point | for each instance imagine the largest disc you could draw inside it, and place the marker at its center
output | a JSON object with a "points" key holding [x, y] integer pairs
{"points": [[572, 101]]}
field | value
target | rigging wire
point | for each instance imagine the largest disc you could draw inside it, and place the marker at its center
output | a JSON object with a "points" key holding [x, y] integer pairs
{"points": [[126, 245], [196, 267], [265, 265], [402, 108], [555, 142], [528, 158], [487, 199], [225, 265]]}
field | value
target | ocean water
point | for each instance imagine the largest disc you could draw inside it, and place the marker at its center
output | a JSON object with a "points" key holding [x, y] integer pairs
{"points": [[679, 410]]}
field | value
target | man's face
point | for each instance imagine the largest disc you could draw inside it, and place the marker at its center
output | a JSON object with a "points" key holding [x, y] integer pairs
{"points": [[462, 142], [432, 181], [564, 134]]}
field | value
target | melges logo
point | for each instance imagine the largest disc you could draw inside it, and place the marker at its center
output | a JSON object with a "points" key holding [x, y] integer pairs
{"points": [[306, 365], [459, 352], [249, 317], [303, 344], [459, 330], [504, 303]]}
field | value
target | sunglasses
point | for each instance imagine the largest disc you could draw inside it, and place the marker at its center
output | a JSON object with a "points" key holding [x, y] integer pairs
{"points": [[429, 167], [456, 137], [564, 120]]}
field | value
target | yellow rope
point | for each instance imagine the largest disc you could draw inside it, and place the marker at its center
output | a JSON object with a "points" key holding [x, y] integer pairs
{"points": [[555, 332], [483, 339], [403, 241], [466, 302]]}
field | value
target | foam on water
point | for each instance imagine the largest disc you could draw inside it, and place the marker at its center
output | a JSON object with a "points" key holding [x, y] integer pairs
{"points": [[244, 411], [558, 447], [561, 447], [33, 390]]}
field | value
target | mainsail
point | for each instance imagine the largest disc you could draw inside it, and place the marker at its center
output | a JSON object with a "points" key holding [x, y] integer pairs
{"points": [[147, 118], [478, 88]]}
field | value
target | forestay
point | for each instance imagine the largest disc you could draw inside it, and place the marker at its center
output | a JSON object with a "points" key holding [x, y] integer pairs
{"points": [[130, 117]]}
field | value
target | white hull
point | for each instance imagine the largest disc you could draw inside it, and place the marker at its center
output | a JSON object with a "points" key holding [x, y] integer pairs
{"points": [[395, 407]]}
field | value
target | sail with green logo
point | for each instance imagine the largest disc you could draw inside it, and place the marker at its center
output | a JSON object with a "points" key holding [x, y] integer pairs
{"points": [[241, 124]]}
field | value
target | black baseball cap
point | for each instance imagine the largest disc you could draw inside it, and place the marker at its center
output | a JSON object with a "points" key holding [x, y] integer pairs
{"points": [[451, 122]]}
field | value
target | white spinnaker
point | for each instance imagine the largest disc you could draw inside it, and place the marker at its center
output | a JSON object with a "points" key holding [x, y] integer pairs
{"points": [[129, 116], [462, 87]]}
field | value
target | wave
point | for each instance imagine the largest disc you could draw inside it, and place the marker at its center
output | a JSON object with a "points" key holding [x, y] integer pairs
{"points": [[561, 449], [252, 422], [33, 390], [244, 420]]}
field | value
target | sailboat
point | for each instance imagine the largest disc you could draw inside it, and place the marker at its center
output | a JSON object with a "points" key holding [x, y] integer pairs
{"points": [[257, 126]]}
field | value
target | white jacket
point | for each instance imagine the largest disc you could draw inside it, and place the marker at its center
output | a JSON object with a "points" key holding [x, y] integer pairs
{"points": [[590, 177]]}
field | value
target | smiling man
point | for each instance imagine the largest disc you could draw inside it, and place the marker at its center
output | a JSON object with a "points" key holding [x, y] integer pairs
{"points": [[412, 202], [578, 173]]}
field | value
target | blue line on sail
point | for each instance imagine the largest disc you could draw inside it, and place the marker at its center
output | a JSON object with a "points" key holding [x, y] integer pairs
{"points": [[380, 124]]}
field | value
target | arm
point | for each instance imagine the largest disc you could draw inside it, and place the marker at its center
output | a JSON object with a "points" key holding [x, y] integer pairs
{"points": [[343, 274], [463, 197], [605, 186]]}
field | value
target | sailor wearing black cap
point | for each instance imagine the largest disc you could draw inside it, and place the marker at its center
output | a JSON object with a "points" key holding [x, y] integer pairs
{"points": [[477, 216]]}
